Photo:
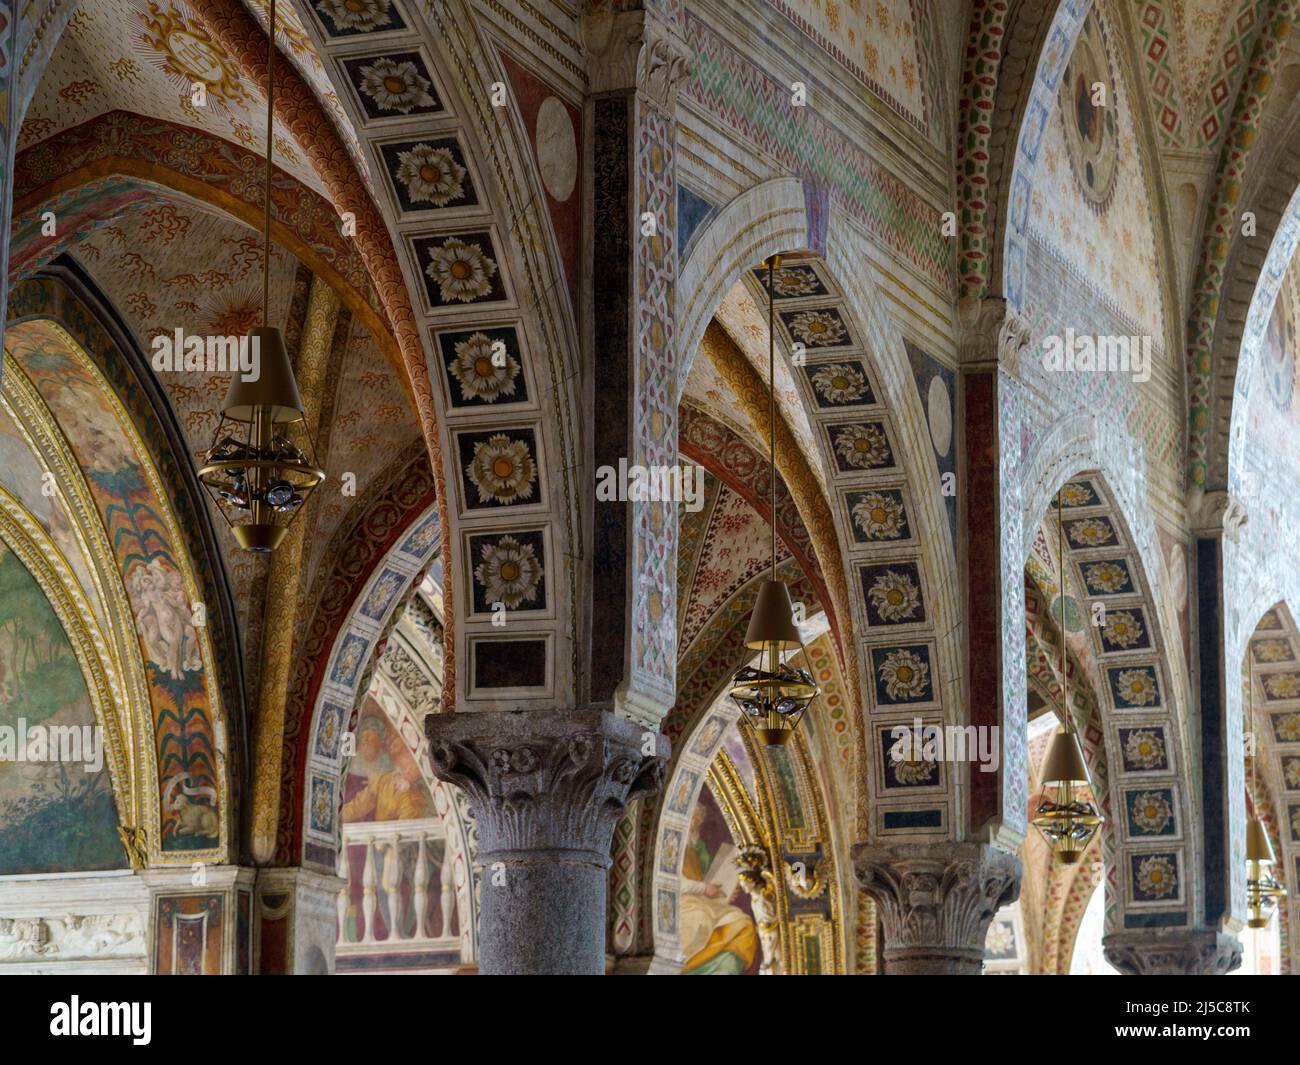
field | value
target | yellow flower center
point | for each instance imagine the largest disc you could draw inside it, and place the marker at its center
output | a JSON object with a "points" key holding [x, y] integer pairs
{"points": [[904, 674], [430, 173], [861, 444], [839, 382], [503, 467], [394, 84], [894, 597], [483, 366], [460, 270], [878, 515], [510, 571]]}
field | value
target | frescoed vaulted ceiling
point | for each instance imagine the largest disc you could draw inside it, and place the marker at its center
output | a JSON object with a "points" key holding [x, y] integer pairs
{"points": [[147, 56]]}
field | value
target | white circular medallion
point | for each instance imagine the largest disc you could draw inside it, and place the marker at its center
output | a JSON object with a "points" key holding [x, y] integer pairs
{"points": [[939, 413], [557, 149]]}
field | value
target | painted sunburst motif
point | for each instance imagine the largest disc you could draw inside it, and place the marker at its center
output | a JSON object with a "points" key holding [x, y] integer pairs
{"points": [[1090, 532], [1122, 629], [1151, 811], [1291, 773], [1272, 650], [1144, 749], [502, 470], [1105, 577], [894, 596], [431, 175], [509, 572], [839, 383], [461, 271], [1282, 685], [818, 328], [1135, 687], [396, 85], [483, 370], [880, 517], [904, 675], [863, 447], [184, 51], [1156, 877], [359, 16], [232, 313]]}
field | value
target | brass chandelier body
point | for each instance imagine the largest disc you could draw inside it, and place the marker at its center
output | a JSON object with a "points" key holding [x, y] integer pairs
{"points": [[773, 695], [259, 469], [1067, 820]]}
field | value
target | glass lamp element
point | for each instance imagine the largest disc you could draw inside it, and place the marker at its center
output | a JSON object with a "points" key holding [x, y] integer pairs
{"points": [[1067, 822], [1263, 891], [773, 695], [259, 469]]}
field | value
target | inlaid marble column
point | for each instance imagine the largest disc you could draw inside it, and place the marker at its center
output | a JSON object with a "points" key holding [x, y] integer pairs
{"points": [[935, 902], [1217, 518], [993, 340], [1177, 953], [636, 61], [545, 788]]}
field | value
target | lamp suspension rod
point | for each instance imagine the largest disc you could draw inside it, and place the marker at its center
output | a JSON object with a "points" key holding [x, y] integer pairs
{"points": [[1060, 554], [771, 393], [270, 145]]}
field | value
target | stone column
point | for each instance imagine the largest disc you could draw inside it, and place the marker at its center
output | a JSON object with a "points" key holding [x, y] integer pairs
{"points": [[1181, 953], [545, 788], [935, 902]]}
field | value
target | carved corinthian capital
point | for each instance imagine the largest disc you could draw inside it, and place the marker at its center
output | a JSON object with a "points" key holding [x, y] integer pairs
{"points": [[635, 50], [1217, 513], [1182, 953], [936, 901], [545, 780], [991, 333]]}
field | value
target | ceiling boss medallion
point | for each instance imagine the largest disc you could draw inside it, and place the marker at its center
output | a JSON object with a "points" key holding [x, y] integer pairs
{"points": [[1088, 106], [184, 51]]}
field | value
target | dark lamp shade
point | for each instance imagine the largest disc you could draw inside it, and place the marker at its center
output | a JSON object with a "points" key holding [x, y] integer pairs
{"points": [[275, 387], [1065, 762], [1258, 846], [773, 619]]}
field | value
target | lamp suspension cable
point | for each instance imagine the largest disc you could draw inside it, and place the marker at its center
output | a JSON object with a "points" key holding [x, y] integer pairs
{"points": [[1068, 718], [270, 147], [771, 393]]}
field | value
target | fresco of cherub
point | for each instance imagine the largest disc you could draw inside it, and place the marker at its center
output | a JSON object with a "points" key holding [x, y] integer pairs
{"points": [[163, 616]]}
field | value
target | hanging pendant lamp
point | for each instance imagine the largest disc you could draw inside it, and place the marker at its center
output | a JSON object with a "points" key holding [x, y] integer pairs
{"points": [[1065, 820], [259, 469], [1263, 890], [773, 695]]}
